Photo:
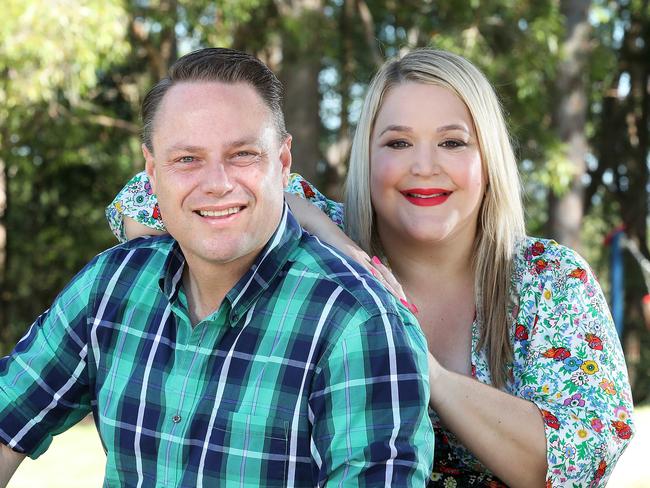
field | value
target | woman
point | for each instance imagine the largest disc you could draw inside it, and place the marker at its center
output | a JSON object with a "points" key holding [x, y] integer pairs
{"points": [[433, 188]]}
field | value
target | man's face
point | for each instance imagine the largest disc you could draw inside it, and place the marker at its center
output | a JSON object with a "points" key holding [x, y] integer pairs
{"points": [[218, 169]]}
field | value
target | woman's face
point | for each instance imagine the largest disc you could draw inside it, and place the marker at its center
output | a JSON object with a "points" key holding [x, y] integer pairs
{"points": [[426, 180]]}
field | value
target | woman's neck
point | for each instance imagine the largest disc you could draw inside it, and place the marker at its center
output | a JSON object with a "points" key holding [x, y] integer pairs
{"points": [[416, 264]]}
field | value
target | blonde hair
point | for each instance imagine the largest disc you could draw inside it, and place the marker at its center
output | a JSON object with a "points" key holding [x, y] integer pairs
{"points": [[501, 217]]}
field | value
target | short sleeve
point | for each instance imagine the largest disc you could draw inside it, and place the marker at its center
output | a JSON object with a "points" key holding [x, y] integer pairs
{"points": [[137, 201], [44, 382], [369, 408], [302, 188], [569, 362]]}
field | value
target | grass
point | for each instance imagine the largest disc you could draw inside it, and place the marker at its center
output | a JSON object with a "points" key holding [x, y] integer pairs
{"points": [[76, 460]]}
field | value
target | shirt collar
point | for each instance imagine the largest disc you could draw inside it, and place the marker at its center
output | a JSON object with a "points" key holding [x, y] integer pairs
{"points": [[266, 267]]}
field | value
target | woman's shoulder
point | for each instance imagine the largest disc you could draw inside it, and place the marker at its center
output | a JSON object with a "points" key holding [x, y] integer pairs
{"points": [[544, 259]]}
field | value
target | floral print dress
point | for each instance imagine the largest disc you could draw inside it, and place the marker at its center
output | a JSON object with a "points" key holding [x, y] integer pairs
{"points": [[567, 357]]}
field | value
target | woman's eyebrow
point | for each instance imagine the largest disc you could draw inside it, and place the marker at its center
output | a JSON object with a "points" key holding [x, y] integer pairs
{"points": [[396, 128], [452, 127]]}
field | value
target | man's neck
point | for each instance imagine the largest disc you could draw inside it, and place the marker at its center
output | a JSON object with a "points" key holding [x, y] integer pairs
{"points": [[207, 284]]}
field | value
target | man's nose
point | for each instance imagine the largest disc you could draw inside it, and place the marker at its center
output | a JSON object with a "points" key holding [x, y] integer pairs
{"points": [[216, 178]]}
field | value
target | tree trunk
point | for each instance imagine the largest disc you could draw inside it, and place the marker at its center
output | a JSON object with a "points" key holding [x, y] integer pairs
{"points": [[301, 65], [566, 211]]}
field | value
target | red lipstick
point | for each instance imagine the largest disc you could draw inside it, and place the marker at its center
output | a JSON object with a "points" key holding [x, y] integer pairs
{"points": [[426, 197]]}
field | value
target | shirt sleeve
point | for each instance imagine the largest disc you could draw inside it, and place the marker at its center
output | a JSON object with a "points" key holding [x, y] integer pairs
{"points": [[44, 382], [302, 188], [137, 201], [572, 367], [369, 408]]}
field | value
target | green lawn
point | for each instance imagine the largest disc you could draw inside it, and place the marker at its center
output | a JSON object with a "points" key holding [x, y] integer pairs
{"points": [[76, 460]]}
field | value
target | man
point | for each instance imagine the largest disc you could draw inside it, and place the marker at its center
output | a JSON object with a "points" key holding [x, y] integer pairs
{"points": [[238, 351]]}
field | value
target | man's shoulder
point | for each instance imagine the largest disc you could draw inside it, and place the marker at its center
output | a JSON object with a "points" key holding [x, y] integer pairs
{"points": [[134, 256], [328, 264]]}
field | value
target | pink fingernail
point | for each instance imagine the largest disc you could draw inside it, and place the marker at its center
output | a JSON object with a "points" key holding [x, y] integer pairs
{"points": [[375, 260], [374, 272], [412, 308]]}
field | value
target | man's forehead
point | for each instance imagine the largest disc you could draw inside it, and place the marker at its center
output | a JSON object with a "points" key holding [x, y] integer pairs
{"points": [[233, 111], [203, 93]]}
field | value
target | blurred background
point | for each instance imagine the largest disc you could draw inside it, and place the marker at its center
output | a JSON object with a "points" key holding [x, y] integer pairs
{"points": [[573, 76]]}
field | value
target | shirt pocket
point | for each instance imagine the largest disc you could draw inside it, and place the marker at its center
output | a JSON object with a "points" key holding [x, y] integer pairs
{"points": [[252, 447]]}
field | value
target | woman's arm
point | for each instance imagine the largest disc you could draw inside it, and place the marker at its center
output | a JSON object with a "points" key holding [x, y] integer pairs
{"points": [[569, 420], [317, 223], [135, 204], [133, 229], [504, 432], [134, 213]]}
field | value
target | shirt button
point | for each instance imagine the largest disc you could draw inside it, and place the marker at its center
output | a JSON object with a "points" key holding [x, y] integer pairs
{"points": [[176, 419]]}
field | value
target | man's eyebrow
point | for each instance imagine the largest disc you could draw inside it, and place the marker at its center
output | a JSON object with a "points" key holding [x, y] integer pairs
{"points": [[246, 141], [185, 148]]}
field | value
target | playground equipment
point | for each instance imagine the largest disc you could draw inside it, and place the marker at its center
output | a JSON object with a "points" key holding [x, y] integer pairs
{"points": [[618, 242]]}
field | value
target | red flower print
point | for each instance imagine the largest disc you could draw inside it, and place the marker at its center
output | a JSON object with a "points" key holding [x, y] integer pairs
{"points": [[550, 419], [309, 193], [521, 333], [540, 265], [597, 425], [537, 249], [495, 484], [156, 212], [594, 342], [600, 472], [557, 353], [579, 273], [623, 430]]}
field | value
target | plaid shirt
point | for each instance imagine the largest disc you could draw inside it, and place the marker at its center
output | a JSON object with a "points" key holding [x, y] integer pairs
{"points": [[308, 373]]}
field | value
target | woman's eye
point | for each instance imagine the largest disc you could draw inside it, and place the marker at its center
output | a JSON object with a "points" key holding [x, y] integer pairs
{"points": [[452, 143], [398, 144]]}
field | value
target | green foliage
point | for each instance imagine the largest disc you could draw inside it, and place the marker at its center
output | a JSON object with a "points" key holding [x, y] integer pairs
{"points": [[49, 46], [61, 168]]}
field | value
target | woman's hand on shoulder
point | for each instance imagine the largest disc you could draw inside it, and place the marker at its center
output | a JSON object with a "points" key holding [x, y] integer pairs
{"points": [[134, 229]]}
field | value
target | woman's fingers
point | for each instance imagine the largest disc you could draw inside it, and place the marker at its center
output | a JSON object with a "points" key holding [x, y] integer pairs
{"points": [[386, 277]]}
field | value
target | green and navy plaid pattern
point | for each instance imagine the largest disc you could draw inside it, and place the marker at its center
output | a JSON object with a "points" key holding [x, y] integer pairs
{"points": [[309, 373]]}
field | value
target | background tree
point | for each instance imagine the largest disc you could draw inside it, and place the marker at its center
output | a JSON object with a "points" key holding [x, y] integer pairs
{"points": [[51, 59]]}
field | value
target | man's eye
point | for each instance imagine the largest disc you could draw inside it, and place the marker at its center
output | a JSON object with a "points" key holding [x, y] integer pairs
{"points": [[400, 144], [186, 159], [452, 143], [244, 158]]}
